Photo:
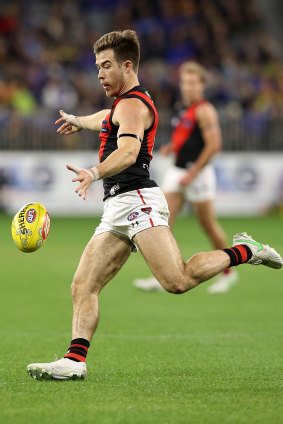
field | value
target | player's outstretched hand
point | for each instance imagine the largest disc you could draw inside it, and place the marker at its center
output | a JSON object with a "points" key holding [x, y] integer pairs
{"points": [[84, 179], [71, 124]]}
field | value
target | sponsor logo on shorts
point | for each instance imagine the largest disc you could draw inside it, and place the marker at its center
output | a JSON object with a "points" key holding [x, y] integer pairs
{"points": [[114, 189], [146, 210], [31, 215], [163, 213], [132, 216]]}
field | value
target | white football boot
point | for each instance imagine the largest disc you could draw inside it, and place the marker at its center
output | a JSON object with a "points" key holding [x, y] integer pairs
{"points": [[224, 282], [148, 284], [63, 369], [262, 254]]}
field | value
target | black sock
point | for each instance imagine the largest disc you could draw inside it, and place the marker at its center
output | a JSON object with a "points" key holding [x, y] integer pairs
{"points": [[239, 254], [78, 350]]}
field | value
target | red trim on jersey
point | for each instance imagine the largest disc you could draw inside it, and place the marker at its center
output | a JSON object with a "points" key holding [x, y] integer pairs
{"points": [[141, 197], [104, 136], [152, 224], [184, 129], [151, 134], [150, 139], [145, 97]]}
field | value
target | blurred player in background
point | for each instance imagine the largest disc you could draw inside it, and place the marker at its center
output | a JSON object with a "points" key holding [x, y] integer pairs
{"points": [[195, 140], [135, 209]]}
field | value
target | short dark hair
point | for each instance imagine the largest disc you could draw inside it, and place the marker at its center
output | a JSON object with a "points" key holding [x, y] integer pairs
{"points": [[125, 44]]}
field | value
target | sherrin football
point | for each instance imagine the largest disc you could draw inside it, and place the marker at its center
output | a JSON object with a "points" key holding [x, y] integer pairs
{"points": [[30, 227]]}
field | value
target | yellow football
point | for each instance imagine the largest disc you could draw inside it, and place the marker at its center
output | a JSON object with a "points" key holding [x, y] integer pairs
{"points": [[30, 227]]}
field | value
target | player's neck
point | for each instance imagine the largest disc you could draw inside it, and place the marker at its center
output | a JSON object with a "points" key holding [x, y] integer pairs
{"points": [[194, 100], [130, 83]]}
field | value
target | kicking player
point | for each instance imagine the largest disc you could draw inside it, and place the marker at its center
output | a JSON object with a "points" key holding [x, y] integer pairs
{"points": [[135, 210], [195, 140]]}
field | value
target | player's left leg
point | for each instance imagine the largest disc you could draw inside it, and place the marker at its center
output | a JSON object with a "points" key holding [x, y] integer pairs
{"points": [[163, 256], [175, 201]]}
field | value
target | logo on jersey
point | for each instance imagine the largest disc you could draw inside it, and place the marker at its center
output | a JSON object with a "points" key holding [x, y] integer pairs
{"points": [[147, 94], [31, 215], [132, 216], [146, 210], [113, 189], [187, 123], [104, 127]]}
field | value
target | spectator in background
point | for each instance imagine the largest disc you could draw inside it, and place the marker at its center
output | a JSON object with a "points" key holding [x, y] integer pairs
{"points": [[228, 38]]}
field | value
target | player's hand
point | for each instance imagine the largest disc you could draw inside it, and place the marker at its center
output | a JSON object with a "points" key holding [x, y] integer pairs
{"points": [[187, 179], [166, 149], [71, 124], [84, 179]]}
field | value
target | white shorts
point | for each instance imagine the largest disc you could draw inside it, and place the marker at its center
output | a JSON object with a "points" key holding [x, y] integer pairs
{"points": [[202, 188], [129, 213]]}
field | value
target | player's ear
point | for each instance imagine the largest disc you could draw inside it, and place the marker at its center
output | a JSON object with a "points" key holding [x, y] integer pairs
{"points": [[128, 66]]}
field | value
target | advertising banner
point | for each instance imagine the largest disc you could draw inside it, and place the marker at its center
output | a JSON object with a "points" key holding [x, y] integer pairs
{"points": [[248, 183]]}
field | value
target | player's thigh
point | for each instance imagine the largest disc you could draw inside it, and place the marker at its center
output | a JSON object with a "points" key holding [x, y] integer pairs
{"points": [[102, 258], [175, 202], [162, 254]]}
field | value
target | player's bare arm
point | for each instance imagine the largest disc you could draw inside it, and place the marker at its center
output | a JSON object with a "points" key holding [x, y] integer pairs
{"points": [[208, 122], [132, 117], [72, 124]]}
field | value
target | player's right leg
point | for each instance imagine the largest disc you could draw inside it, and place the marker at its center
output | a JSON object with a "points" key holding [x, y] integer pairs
{"points": [[103, 257]]}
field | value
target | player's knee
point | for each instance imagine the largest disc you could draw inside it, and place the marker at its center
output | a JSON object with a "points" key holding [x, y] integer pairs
{"points": [[176, 287], [179, 285], [75, 288], [82, 286], [78, 288]]}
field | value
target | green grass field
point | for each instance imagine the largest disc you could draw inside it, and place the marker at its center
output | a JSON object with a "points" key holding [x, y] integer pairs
{"points": [[156, 358]]}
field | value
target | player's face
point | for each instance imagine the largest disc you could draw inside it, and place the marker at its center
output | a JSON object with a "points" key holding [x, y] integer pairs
{"points": [[191, 87], [110, 73]]}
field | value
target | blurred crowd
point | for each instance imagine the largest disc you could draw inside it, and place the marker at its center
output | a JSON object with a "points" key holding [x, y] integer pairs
{"points": [[47, 62]]}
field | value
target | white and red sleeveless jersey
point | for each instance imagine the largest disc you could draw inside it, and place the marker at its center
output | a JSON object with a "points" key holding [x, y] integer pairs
{"points": [[137, 175]]}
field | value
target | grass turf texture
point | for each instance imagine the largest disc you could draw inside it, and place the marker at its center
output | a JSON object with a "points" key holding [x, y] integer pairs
{"points": [[156, 358]]}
